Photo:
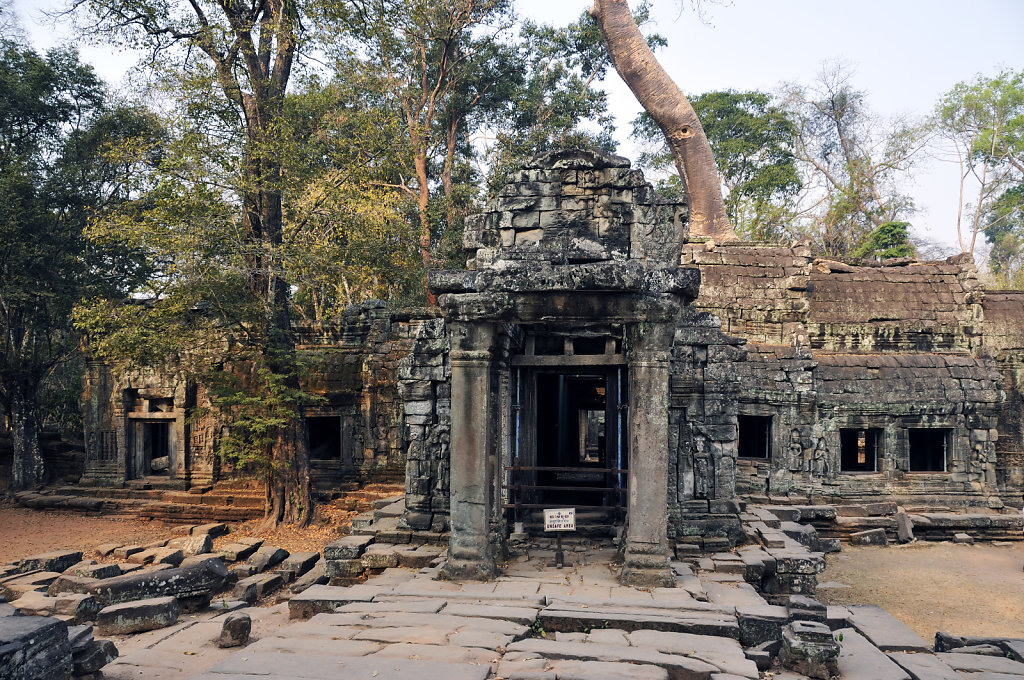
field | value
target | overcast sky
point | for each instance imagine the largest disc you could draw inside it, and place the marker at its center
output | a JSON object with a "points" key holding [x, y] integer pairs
{"points": [[904, 54]]}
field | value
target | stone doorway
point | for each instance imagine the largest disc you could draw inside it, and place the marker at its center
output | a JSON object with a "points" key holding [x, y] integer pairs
{"points": [[570, 448]]}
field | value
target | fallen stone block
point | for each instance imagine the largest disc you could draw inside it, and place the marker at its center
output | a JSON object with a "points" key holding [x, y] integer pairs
{"points": [[91, 569], [945, 642], [34, 647], [182, 529], [254, 587], [904, 528], [803, 608], [869, 537], [126, 551], [963, 538], [785, 513], [810, 649], [861, 660], [347, 548], [723, 653], [266, 557], [315, 576], [158, 555], [760, 623], [137, 616], [199, 579], [974, 663], [57, 560], [198, 544], [70, 584], [213, 530], [234, 552], [830, 545], [74, 608], [14, 587], [300, 562], [94, 657], [107, 549], [235, 630]]}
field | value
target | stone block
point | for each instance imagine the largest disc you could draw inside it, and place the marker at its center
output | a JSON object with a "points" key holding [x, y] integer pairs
{"points": [[760, 623], [380, 556], [35, 647], [214, 529], [966, 539], [137, 616], [869, 537], [71, 584], [315, 576], [904, 528], [860, 660], [810, 649], [254, 587], [72, 607], [884, 631], [879, 509], [125, 551], [107, 549], [191, 545], [266, 557], [300, 562], [344, 568], [234, 552], [203, 578], [15, 586], [57, 560], [347, 547], [93, 657], [91, 569], [235, 630]]}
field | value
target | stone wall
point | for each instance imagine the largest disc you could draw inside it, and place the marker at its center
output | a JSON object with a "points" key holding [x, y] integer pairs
{"points": [[891, 347]]}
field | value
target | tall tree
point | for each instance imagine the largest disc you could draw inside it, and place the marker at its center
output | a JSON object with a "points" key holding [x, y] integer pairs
{"points": [[982, 123], [672, 111], [53, 175], [242, 55], [853, 162], [752, 140]]}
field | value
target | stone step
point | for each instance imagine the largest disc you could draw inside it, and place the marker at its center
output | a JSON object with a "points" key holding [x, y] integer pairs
{"points": [[884, 631]]}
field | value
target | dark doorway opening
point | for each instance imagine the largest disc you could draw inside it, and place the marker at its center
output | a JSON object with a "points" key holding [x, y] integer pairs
{"points": [[754, 436], [324, 437], [859, 449], [157, 443], [929, 448], [568, 450]]}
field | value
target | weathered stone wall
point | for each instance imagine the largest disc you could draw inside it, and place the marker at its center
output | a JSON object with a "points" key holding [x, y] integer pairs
{"points": [[887, 346], [1003, 341]]}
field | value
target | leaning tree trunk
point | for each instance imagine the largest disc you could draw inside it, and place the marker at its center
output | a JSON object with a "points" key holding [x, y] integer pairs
{"points": [[665, 102], [28, 469]]}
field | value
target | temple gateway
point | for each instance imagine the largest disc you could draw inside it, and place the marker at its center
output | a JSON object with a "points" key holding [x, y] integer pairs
{"points": [[594, 356]]}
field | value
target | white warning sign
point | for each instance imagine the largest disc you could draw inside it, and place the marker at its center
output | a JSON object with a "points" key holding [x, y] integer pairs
{"points": [[560, 519]]}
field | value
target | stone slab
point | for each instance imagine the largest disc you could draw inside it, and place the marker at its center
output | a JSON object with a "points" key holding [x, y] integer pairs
{"points": [[35, 647], [723, 653], [861, 660], [200, 579], [975, 663], [700, 623], [678, 667], [320, 598], [137, 616], [272, 666], [347, 548], [521, 615], [56, 560], [884, 631], [924, 666]]}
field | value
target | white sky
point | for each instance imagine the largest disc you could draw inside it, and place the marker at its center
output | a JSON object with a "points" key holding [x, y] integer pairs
{"points": [[905, 54]]}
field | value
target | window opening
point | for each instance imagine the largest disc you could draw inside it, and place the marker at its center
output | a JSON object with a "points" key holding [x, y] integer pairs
{"points": [[859, 449], [324, 437], [157, 443], [929, 448], [754, 436]]}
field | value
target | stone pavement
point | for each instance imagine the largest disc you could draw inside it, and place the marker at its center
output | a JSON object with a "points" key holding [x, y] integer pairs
{"points": [[539, 623]]}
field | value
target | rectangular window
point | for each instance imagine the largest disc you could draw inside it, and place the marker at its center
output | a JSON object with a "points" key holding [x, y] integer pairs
{"points": [[754, 436], [929, 448], [324, 437], [859, 449]]}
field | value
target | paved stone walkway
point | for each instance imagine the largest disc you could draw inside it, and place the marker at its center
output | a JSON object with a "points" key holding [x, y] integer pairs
{"points": [[539, 623]]}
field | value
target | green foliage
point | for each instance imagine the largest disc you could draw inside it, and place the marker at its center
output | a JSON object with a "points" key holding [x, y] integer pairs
{"points": [[1005, 232], [752, 141], [983, 123], [887, 241]]}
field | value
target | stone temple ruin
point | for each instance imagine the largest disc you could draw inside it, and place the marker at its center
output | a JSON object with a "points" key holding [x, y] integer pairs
{"points": [[592, 355]]}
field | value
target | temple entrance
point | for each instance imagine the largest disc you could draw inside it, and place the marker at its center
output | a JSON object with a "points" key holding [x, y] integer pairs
{"points": [[569, 449]]}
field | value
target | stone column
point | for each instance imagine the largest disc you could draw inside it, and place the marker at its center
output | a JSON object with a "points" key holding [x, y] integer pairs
{"points": [[470, 555], [646, 557]]}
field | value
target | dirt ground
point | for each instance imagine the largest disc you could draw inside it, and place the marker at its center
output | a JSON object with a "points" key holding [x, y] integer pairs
{"points": [[25, 532], [960, 589]]}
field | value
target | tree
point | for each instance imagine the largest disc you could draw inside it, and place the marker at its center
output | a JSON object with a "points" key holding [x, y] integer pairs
{"points": [[670, 109], [1004, 230], [54, 126], [236, 61], [753, 143], [853, 162], [889, 240], [982, 123]]}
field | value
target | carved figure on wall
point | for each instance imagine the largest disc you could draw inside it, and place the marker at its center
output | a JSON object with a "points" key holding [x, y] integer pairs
{"points": [[796, 451]]}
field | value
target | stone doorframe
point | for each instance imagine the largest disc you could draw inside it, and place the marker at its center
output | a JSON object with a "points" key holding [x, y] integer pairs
{"points": [[649, 324]]}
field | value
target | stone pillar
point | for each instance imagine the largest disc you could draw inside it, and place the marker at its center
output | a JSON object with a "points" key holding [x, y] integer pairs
{"points": [[470, 555], [646, 556]]}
